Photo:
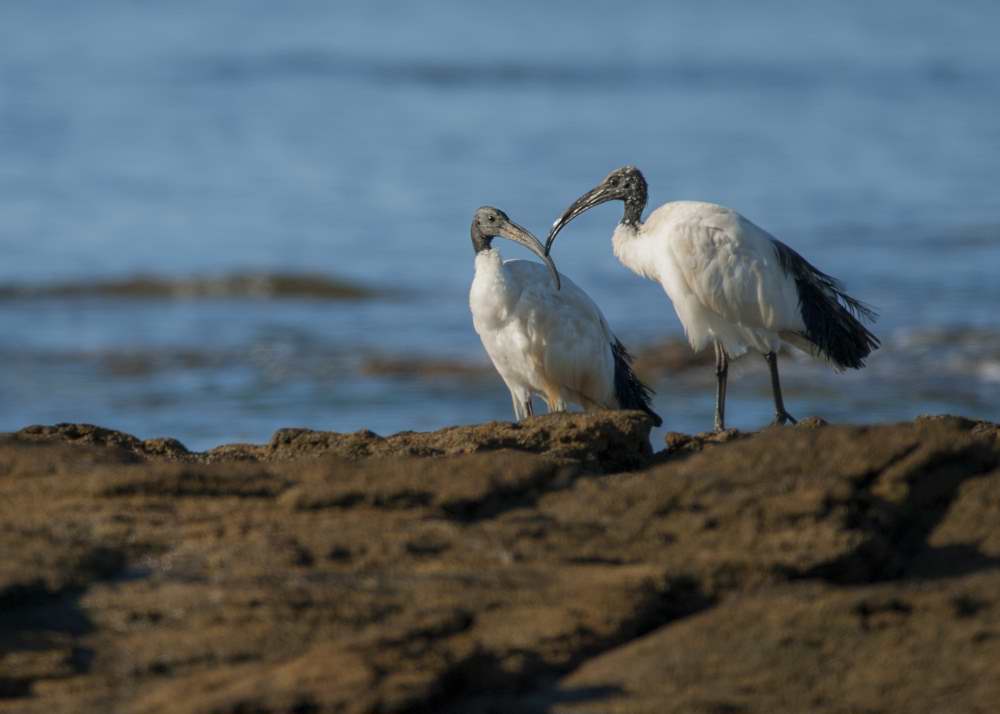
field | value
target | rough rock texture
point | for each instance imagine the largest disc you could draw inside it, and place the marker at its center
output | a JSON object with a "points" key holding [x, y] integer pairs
{"points": [[604, 441], [501, 569]]}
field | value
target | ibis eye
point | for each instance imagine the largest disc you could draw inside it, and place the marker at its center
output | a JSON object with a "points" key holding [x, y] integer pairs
{"points": [[493, 219], [614, 181]]}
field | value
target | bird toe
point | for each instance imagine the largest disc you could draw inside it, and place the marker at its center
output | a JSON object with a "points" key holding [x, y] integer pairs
{"points": [[782, 418]]}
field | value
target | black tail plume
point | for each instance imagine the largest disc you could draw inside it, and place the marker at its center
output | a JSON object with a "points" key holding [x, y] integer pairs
{"points": [[833, 319], [631, 393]]}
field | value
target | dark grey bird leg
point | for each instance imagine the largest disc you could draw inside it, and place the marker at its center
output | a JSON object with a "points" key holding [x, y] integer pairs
{"points": [[780, 415], [721, 373], [522, 408]]}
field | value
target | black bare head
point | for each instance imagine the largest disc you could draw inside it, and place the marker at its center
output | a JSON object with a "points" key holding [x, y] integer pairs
{"points": [[626, 184], [489, 223]]}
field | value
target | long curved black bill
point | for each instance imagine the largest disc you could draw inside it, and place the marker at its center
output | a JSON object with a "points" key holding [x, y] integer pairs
{"points": [[594, 197], [521, 235]]}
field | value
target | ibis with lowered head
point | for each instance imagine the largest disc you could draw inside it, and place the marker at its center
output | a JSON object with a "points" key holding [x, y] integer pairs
{"points": [[732, 283], [545, 336]]}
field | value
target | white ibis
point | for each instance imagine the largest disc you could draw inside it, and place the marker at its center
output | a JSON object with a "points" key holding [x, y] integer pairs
{"points": [[732, 283], [545, 339]]}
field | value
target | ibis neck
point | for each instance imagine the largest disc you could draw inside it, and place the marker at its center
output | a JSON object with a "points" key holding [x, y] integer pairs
{"points": [[634, 206], [480, 241]]}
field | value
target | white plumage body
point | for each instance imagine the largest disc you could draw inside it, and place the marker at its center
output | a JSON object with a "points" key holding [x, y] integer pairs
{"points": [[544, 341], [721, 272], [732, 284]]}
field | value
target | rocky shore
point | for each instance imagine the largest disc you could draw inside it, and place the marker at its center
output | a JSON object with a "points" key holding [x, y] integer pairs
{"points": [[560, 565]]}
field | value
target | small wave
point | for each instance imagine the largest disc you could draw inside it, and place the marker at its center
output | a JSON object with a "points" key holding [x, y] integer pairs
{"points": [[237, 285], [320, 64], [410, 367], [668, 357], [448, 73], [147, 362], [968, 353], [982, 340]]}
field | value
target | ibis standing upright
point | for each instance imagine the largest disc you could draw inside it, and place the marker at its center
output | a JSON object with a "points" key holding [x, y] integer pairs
{"points": [[544, 335], [731, 282]]}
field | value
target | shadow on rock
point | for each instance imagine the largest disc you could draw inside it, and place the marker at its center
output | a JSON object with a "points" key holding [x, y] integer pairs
{"points": [[550, 566]]}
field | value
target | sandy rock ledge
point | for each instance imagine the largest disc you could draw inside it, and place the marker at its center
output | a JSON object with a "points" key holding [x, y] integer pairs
{"points": [[553, 566]]}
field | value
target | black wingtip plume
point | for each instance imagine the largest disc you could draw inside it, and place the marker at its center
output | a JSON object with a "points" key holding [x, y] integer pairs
{"points": [[833, 319], [630, 391]]}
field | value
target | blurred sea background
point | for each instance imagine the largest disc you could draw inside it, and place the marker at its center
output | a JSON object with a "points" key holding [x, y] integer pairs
{"points": [[169, 172]]}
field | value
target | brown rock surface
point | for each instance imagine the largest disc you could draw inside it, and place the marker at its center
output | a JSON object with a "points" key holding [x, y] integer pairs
{"points": [[502, 568], [605, 441]]}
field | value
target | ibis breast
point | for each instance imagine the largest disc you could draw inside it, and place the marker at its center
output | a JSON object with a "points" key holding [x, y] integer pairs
{"points": [[552, 342]]}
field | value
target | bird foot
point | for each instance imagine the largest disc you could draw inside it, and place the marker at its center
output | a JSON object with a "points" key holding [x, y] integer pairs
{"points": [[782, 417]]}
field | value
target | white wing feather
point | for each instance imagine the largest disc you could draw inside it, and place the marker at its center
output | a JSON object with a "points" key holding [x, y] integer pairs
{"points": [[723, 275]]}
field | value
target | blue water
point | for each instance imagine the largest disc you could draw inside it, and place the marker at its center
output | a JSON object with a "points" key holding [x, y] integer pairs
{"points": [[356, 139]]}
